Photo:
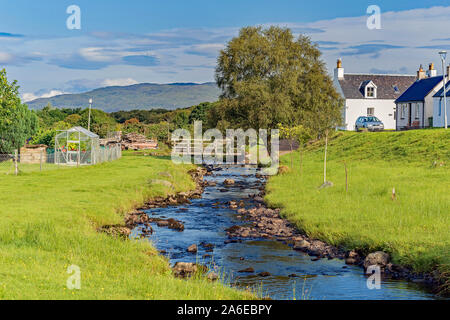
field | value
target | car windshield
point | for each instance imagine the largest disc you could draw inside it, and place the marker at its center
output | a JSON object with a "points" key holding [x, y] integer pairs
{"points": [[372, 119]]}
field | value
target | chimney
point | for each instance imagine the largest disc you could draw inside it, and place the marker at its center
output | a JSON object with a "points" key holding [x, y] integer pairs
{"points": [[339, 71], [421, 74], [431, 71]]}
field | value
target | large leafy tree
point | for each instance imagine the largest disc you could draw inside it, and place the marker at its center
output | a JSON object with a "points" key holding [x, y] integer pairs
{"points": [[17, 122], [268, 77]]}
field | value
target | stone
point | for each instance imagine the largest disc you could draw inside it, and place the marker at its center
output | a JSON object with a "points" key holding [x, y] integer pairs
{"points": [[183, 269], [229, 182], [258, 199], [247, 270], [175, 224], [212, 276], [352, 257], [264, 274], [301, 245], [245, 233], [378, 258], [162, 223], [192, 248]]}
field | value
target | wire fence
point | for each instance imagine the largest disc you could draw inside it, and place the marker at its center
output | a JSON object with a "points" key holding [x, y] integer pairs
{"points": [[44, 160]]}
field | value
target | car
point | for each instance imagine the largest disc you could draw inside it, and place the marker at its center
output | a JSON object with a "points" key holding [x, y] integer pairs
{"points": [[369, 123]]}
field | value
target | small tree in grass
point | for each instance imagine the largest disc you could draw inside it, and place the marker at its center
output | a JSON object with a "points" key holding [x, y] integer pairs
{"points": [[322, 120]]}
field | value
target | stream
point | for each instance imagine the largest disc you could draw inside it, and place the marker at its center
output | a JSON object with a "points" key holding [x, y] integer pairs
{"points": [[205, 222]]}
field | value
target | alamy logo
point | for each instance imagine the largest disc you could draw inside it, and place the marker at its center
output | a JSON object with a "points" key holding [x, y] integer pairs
{"points": [[374, 21], [73, 22], [237, 147], [74, 281], [374, 280]]}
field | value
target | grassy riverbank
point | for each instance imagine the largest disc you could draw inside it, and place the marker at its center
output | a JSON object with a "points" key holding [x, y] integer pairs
{"points": [[49, 221], [413, 228]]}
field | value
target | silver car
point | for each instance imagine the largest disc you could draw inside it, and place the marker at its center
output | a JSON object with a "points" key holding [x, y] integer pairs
{"points": [[369, 123]]}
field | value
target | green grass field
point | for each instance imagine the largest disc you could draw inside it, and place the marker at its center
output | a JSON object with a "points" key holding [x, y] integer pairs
{"points": [[49, 221], [414, 228]]}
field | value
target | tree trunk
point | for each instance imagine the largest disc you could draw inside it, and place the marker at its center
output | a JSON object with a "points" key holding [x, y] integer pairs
{"points": [[325, 158]]}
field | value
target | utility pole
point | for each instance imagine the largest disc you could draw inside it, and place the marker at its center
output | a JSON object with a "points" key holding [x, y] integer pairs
{"points": [[89, 118], [443, 55]]}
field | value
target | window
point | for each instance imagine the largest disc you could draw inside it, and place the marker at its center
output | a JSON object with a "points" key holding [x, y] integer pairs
{"points": [[370, 112], [403, 111], [396, 89], [370, 92], [417, 110]]}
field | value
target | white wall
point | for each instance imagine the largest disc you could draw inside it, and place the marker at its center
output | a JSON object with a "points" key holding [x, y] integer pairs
{"points": [[429, 103], [384, 110], [438, 120]]}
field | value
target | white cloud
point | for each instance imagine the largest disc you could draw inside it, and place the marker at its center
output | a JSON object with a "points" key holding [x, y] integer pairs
{"points": [[5, 57], [119, 82], [407, 39], [26, 97]]}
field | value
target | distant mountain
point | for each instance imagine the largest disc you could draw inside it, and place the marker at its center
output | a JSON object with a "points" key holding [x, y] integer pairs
{"points": [[143, 96]]}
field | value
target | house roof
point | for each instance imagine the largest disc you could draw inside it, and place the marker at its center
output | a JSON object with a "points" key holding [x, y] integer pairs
{"points": [[353, 85], [419, 89], [440, 93]]}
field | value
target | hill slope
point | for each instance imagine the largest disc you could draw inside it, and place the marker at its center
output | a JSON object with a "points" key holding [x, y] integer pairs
{"points": [[138, 96]]}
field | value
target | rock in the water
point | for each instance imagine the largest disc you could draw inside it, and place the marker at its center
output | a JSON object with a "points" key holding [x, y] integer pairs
{"points": [[247, 270], [258, 199], [301, 245], [192, 248], [378, 258], [264, 274], [175, 224], [229, 182], [352, 258], [162, 223]]}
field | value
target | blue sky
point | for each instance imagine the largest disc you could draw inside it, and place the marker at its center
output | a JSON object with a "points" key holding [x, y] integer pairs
{"points": [[126, 42]]}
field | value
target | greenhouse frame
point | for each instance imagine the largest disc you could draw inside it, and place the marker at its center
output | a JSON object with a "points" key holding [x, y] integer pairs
{"points": [[78, 146]]}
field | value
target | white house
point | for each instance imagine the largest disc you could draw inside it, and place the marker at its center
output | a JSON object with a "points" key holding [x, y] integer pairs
{"points": [[438, 106], [415, 105], [370, 95]]}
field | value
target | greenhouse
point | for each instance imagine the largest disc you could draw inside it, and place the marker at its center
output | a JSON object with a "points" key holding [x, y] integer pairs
{"points": [[76, 146]]}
